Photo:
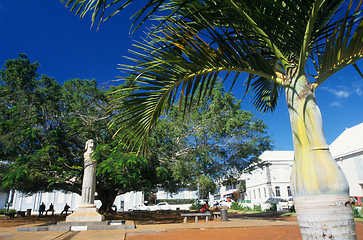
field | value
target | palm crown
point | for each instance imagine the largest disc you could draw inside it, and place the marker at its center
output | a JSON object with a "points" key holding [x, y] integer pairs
{"points": [[198, 41]]}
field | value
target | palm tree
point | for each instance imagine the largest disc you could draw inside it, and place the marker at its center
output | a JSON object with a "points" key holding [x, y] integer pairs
{"points": [[289, 46]]}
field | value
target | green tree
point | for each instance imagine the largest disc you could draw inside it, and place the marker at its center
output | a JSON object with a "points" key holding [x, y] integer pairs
{"points": [[274, 42], [33, 139], [119, 171], [215, 138], [43, 129], [206, 186]]}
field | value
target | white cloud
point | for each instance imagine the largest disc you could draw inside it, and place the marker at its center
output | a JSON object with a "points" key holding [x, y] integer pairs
{"points": [[359, 91], [358, 87], [337, 93], [336, 104]]}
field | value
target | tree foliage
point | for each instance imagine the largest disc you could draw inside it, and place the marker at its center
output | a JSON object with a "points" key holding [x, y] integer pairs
{"points": [[43, 129], [33, 135], [216, 139]]}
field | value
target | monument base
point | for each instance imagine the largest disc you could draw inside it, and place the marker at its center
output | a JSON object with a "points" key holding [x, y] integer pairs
{"points": [[85, 214]]}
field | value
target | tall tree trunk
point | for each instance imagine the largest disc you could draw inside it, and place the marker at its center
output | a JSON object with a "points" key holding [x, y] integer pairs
{"points": [[320, 189], [107, 199]]}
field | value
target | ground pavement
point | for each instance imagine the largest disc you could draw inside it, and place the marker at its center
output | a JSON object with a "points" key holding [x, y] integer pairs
{"points": [[236, 228]]}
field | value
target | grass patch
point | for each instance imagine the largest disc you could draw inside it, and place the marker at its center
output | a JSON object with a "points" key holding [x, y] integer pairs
{"points": [[242, 211]]}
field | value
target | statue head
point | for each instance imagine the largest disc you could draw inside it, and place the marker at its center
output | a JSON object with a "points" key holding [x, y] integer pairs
{"points": [[90, 144]]}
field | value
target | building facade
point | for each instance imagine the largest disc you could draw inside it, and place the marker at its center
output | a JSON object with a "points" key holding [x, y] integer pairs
{"points": [[272, 180], [347, 150], [3, 199], [22, 202]]}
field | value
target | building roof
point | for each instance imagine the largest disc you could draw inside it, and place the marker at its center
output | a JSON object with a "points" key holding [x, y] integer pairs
{"points": [[274, 156], [349, 142]]}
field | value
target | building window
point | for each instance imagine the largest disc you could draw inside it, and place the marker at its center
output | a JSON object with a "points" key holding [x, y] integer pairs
{"points": [[289, 191], [259, 193], [264, 191], [254, 194], [277, 190]]}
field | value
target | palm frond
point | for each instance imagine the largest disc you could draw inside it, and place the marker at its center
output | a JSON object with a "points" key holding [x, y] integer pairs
{"points": [[99, 8], [340, 43], [183, 64]]}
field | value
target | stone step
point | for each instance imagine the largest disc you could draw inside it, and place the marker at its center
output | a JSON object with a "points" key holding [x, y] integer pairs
{"points": [[80, 226]]}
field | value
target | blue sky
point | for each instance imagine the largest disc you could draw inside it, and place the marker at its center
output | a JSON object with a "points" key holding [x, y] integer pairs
{"points": [[67, 47]]}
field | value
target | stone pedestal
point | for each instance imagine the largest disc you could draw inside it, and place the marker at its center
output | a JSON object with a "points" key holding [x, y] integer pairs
{"points": [[85, 213]]}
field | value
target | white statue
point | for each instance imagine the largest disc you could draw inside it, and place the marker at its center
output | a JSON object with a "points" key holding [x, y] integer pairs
{"points": [[87, 211], [89, 175]]}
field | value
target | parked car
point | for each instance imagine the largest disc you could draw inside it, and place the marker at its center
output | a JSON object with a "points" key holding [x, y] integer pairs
{"points": [[159, 206], [282, 205], [162, 206], [226, 203], [269, 202]]}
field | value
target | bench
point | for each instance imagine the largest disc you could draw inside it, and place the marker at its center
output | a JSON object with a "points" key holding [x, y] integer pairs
{"points": [[216, 214], [196, 215], [21, 213], [10, 214]]}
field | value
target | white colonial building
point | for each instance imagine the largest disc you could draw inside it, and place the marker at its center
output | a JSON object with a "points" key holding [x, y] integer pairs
{"points": [[3, 199], [183, 194], [347, 150], [23, 202], [272, 180]]}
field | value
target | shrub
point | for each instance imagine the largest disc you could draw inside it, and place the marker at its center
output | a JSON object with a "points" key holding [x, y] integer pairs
{"points": [[2, 211], [235, 206], [195, 206], [273, 208], [247, 208], [357, 212], [257, 208]]}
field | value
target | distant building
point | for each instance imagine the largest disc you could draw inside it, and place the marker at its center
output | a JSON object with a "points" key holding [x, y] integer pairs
{"points": [[22, 202], [182, 194], [225, 192], [347, 150], [124, 202], [3, 198], [272, 180]]}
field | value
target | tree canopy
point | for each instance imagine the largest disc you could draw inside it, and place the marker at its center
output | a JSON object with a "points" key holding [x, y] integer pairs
{"points": [[43, 129], [216, 139]]}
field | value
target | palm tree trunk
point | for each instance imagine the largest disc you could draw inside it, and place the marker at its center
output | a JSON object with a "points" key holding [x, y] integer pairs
{"points": [[320, 189]]}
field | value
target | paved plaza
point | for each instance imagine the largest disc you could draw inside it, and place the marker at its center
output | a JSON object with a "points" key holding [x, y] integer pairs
{"points": [[239, 227]]}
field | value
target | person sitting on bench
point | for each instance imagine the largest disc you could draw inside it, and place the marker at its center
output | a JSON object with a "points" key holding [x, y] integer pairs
{"points": [[41, 209], [50, 209], [66, 208], [205, 207]]}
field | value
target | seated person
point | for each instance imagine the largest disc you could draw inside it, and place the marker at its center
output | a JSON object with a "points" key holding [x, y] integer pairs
{"points": [[50, 209], [205, 207], [66, 208], [41, 209]]}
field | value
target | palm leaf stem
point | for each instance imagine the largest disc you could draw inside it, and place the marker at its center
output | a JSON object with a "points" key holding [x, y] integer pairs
{"points": [[307, 36]]}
